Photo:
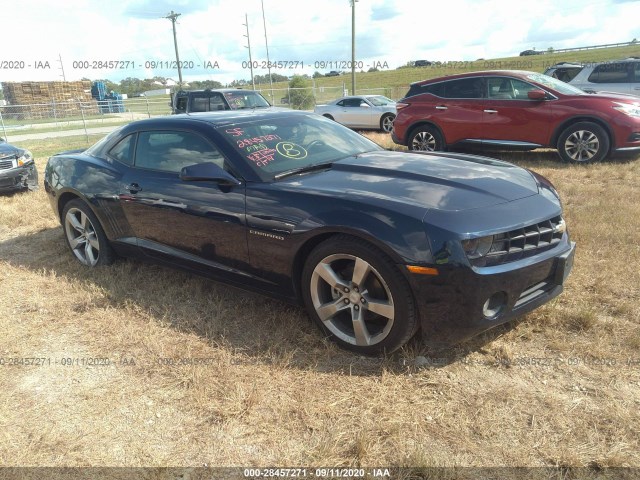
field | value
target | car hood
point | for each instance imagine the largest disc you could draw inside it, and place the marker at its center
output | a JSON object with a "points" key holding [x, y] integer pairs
{"points": [[618, 97], [425, 181], [7, 150]]}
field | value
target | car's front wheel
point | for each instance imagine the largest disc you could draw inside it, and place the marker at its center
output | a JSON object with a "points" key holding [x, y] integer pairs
{"points": [[425, 139], [326, 115], [356, 294], [85, 237], [386, 122], [583, 142]]}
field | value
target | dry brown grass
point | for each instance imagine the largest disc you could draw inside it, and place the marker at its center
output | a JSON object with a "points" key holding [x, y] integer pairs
{"points": [[555, 390]]}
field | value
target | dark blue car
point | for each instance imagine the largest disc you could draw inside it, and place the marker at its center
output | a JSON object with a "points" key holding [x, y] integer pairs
{"points": [[17, 168], [376, 244]]}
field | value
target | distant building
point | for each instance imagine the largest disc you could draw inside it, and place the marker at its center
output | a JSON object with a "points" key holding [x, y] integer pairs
{"points": [[159, 91]]}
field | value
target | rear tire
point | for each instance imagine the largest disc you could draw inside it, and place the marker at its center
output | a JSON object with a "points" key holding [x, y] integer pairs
{"points": [[84, 234], [358, 297], [328, 116], [386, 122], [583, 142], [425, 139]]}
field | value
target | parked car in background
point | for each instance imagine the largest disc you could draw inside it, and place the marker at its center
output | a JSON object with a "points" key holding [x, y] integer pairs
{"points": [[17, 168], [189, 101], [376, 244], [564, 71], [516, 110], [620, 76], [361, 111], [333, 73], [422, 63], [527, 53]]}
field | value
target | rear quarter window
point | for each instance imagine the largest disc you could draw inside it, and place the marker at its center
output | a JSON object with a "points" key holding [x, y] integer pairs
{"points": [[610, 73]]}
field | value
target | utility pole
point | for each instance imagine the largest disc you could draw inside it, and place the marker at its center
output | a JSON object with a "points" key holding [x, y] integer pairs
{"points": [[353, 47], [246, 24], [264, 23], [64, 78], [173, 16]]}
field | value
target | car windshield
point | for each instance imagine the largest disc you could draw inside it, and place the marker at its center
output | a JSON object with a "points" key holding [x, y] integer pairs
{"points": [[380, 100], [240, 100], [280, 144], [555, 84]]}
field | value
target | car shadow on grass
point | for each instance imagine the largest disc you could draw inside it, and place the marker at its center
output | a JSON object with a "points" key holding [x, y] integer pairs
{"points": [[253, 328]]}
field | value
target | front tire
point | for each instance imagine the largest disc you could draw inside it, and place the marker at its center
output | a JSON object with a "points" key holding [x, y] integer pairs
{"points": [[425, 139], [326, 115], [386, 122], [358, 297], [583, 142], [84, 234]]}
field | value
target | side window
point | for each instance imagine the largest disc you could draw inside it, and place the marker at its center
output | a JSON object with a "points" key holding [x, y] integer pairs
{"points": [[610, 73], [171, 151], [181, 104], [123, 150], [352, 102], [341, 103], [207, 102], [464, 88], [636, 72], [503, 88], [436, 89], [499, 88]]}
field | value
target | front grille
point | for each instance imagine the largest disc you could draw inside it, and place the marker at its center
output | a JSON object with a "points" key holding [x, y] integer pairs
{"points": [[5, 164], [523, 242]]}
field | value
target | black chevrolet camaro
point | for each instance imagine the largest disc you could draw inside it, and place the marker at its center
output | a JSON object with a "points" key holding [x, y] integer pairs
{"points": [[376, 244]]}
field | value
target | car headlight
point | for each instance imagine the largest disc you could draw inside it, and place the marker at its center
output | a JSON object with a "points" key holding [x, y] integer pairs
{"points": [[477, 247], [25, 157], [631, 109]]}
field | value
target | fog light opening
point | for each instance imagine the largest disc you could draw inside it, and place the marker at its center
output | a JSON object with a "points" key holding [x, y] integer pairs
{"points": [[494, 305]]}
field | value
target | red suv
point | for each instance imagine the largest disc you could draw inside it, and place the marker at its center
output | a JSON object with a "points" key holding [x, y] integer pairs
{"points": [[516, 110]]}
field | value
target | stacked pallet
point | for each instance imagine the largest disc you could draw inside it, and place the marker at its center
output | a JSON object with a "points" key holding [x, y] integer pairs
{"points": [[49, 99]]}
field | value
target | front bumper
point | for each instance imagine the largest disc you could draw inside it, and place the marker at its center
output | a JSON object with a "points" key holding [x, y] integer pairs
{"points": [[453, 304], [18, 178]]}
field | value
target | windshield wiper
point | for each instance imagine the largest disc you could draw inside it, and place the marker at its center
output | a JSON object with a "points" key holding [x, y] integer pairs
{"points": [[308, 168]]}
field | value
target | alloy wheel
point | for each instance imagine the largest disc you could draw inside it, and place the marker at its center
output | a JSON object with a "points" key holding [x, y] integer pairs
{"points": [[352, 299], [582, 145], [82, 237]]}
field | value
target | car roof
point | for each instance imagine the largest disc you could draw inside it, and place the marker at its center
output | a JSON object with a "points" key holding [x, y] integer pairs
{"points": [[368, 95], [220, 117], [481, 73], [221, 90]]}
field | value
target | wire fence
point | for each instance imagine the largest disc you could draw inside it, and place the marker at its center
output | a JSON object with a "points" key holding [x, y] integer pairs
{"points": [[53, 119]]}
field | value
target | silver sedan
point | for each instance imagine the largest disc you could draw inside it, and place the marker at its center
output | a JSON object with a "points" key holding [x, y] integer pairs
{"points": [[361, 111]]}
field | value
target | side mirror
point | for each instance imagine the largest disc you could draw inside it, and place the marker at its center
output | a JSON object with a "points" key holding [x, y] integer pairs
{"points": [[208, 171], [365, 105], [537, 95]]}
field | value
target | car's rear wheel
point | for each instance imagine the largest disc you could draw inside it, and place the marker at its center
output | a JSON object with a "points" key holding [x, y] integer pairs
{"points": [[386, 122], [356, 294], [85, 237], [328, 116], [583, 142], [425, 139]]}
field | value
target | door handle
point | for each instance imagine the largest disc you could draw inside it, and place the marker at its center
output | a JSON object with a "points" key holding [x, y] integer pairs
{"points": [[441, 107], [133, 188], [491, 111]]}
